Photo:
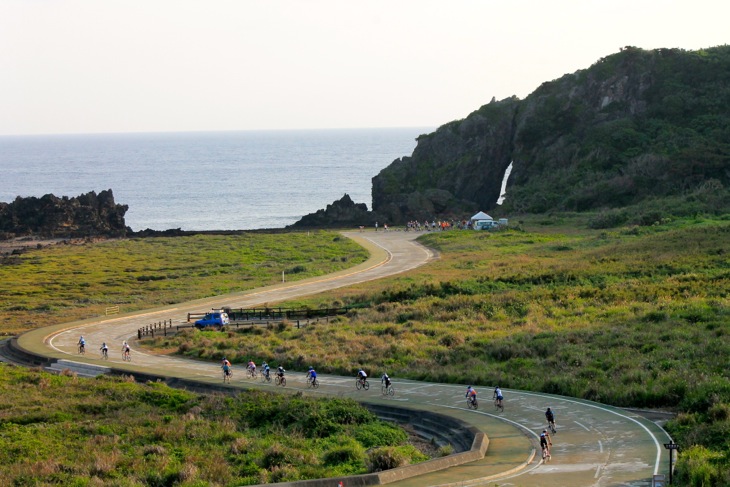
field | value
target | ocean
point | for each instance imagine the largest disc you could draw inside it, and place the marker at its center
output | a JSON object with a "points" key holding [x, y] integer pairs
{"points": [[206, 180]]}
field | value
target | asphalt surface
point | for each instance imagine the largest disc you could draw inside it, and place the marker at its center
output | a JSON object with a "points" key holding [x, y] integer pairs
{"points": [[595, 445]]}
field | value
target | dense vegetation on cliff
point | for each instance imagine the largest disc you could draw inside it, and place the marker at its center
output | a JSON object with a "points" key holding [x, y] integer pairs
{"points": [[648, 129]]}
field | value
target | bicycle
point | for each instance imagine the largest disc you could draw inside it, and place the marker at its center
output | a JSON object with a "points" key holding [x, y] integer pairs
{"points": [[313, 382], [387, 390], [82, 349], [252, 373], [126, 356], [265, 377], [227, 374], [471, 402], [104, 354], [499, 405], [546, 454], [280, 380], [551, 427], [362, 384]]}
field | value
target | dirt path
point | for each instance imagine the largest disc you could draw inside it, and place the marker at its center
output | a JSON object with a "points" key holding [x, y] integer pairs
{"points": [[596, 445]]}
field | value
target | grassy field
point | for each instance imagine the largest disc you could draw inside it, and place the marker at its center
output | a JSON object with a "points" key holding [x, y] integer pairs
{"points": [[636, 316], [67, 282], [61, 430]]}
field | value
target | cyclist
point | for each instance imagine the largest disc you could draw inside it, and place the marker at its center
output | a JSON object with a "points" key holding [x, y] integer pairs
{"points": [[311, 375], [550, 419], [125, 350], [361, 375], [498, 398], [82, 344], [104, 350], [226, 370], [280, 371], [225, 362], [252, 367], [545, 444], [266, 368], [385, 380], [471, 394]]}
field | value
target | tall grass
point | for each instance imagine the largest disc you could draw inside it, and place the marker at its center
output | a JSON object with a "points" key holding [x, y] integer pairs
{"points": [[61, 430], [64, 282]]}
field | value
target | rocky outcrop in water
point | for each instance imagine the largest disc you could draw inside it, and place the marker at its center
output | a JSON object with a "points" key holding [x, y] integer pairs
{"points": [[340, 214], [87, 215]]}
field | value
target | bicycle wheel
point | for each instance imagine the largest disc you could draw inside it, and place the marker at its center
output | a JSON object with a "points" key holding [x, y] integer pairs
{"points": [[315, 383], [358, 384], [391, 391], [366, 385], [283, 381]]}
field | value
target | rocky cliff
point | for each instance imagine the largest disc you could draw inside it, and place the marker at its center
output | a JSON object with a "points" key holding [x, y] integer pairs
{"points": [[637, 126], [87, 215]]}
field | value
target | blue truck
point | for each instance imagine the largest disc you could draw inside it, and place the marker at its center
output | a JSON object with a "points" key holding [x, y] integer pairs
{"points": [[215, 319]]}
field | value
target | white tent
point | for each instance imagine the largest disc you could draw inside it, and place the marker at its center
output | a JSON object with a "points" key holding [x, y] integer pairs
{"points": [[481, 216]]}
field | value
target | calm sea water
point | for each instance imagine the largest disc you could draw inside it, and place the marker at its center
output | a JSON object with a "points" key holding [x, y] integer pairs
{"points": [[206, 180]]}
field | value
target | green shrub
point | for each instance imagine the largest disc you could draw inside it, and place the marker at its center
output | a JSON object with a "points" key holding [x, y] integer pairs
{"points": [[609, 219], [345, 454], [380, 434], [385, 458], [698, 466]]}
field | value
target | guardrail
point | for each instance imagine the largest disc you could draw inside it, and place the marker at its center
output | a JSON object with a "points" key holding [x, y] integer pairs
{"points": [[276, 314], [166, 326], [150, 330]]}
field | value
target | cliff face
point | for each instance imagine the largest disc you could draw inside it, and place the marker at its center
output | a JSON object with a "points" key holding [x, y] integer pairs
{"points": [[459, 168], [50, 216], [635, 125]]}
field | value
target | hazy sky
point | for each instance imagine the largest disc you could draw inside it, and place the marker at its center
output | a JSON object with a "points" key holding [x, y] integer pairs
{"points": [[86, 66]]}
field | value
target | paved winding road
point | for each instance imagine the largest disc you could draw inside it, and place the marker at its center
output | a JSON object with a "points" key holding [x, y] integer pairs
{"points": [[596, 445]]}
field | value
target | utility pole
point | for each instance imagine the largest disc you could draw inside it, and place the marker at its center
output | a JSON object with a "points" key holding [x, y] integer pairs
{"points": [[671, 446]]}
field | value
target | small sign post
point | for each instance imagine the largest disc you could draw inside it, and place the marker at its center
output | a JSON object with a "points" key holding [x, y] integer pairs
{"points": [[671, 446]]}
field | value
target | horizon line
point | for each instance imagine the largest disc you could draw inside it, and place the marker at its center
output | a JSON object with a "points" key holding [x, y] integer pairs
{"points": [[211, 131]]}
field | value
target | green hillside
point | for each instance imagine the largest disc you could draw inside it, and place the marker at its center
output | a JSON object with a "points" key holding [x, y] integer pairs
{"points": [[649, 130]]}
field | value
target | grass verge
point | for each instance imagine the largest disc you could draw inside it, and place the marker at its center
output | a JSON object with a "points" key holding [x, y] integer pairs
{"points": [[63, 430]]}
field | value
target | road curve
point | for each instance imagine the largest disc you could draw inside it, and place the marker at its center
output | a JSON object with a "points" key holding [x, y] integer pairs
{"points": [[596, 445]]}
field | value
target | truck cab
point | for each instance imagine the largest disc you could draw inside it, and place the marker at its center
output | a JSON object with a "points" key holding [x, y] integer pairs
{"points": [[484, 224], [214, 319]]}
